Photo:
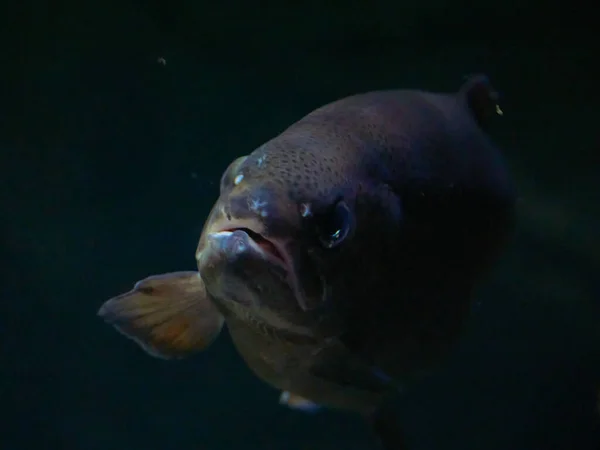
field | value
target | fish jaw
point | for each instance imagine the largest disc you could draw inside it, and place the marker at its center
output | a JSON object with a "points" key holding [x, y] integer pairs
{"points": [[232, 240]]}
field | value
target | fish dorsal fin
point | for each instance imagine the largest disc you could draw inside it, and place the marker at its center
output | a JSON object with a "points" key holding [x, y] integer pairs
{"points": [[168, 315]]}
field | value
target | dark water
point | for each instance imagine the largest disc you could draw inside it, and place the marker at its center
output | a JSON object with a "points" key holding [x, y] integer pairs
{"points": [[116, 121]]}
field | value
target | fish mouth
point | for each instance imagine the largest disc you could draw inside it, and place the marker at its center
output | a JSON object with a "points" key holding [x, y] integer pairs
{"points": [[271, 250], [296, 270], [276, 252]]}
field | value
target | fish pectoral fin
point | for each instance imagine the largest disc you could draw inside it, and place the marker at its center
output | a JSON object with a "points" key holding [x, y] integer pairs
{"points": [[297, 402], [168, 315], [338, 365]]}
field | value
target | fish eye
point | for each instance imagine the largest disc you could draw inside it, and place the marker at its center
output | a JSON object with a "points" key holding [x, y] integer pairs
{"points": [[335, 226]]}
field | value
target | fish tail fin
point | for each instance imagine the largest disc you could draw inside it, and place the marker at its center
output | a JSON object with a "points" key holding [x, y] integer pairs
{"points": [[168, 315]]}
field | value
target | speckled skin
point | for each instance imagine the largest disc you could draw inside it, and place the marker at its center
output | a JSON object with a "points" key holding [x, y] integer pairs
{"points": [[431, 205]]}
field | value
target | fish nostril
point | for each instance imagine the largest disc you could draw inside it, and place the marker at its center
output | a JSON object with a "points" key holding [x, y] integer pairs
{"points": [[225, 211], [258, 205], [251, 202]]}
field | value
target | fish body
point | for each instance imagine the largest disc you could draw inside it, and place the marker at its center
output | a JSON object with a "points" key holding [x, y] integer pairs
{"points": [[342, 254]]}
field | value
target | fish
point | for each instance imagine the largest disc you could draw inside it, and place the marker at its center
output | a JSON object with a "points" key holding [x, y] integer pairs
{"points": [[343, 253]]}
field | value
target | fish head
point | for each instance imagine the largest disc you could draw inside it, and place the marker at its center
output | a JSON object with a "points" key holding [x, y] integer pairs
{"points": [[283, 235]]}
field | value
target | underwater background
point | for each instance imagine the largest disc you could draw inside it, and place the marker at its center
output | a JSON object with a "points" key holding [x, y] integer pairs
{"points": [[117, 119]]}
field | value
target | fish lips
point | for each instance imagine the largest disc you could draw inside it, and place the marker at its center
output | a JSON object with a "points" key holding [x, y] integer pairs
{"points": [[245, 251], [238, 247]]}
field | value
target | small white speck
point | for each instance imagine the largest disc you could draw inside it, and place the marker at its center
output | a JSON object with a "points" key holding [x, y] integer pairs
{"points": [[237, 180], [305, 210], [198, 254], [162, 61], [260, 160]]}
